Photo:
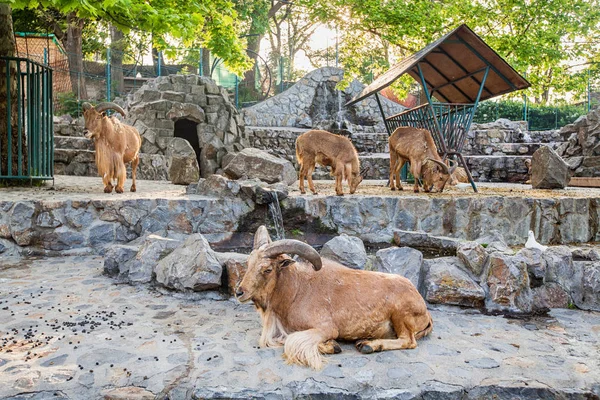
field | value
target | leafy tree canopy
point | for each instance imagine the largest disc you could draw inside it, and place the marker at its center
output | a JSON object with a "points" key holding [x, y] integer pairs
{"points": [[214, 23]]}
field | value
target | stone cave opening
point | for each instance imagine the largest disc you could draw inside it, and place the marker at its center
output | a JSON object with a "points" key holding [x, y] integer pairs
{"points": [[187, 129]]}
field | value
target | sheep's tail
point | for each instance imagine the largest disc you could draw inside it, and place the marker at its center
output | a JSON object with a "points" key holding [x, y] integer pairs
{"points": [[427, 329], [303, 348]]}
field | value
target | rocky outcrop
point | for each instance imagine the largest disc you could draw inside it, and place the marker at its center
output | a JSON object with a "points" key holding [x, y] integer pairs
{"points": [[447, 282], [548, 170], [183, 163], [581, 149], [191, 266], [314, 102], [254, 163], [347, 250], [403, 261]]}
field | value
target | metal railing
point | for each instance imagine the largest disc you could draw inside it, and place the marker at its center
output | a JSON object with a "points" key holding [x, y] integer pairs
{"points": [[27, 148]]}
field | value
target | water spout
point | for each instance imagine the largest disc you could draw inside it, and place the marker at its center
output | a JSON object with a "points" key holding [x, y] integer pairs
{"points": [[275, 211]]}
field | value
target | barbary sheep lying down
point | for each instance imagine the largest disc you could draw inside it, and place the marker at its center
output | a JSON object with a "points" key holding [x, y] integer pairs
{"points": [[307, 305]]}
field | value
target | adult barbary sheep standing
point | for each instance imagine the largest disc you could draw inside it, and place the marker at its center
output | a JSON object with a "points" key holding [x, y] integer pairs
{"points": [[306, 306], [329, 150], [116, 144], [417, 147]]}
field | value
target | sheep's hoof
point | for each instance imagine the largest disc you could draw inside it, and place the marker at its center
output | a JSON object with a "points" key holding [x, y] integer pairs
{"points": [[364, 348], [339, 194], [336, 348], [392, 188], [416, 190], [108, 189], [133, 189], [119, 189]]}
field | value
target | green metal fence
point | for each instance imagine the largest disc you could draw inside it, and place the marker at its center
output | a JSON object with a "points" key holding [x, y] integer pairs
{"points": [[27, 142]]}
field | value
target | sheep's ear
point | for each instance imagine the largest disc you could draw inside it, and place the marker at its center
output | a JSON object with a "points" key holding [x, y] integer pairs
{"points": [[261, 237], [286, 262]]}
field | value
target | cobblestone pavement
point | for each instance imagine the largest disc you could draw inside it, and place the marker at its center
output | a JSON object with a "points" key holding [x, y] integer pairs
{"points": [[67, 331]]}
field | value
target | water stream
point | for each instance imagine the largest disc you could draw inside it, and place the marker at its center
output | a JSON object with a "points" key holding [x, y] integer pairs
{"points": [[275, 211]]}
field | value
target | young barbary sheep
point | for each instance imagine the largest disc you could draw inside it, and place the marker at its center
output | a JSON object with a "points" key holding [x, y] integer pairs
{"points": [[115, 142], [329, 150], [417, 147], [307, 305]]}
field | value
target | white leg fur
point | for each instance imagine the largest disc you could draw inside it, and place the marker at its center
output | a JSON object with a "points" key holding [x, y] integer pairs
{"points": [[303, 348], [273, 333]]}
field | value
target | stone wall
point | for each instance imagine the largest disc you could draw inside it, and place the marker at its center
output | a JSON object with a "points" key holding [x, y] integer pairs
{"points": [[581, 149], [60, 224], [156, 107], [313, 102]]}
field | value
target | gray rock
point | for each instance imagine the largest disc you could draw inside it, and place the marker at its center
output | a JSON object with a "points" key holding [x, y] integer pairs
{"points": [[347, 250], [118, 255], [21, 224], [548, 170], [494, 242], [585, 254], [590, 287], [446, 282], [507, 284], [191, 266], [550, 295], [183, 164], [254, 163], [217, 185], [536, 266], [473, 256], [403, 261], [8, 248], [154, 248], [425, 240]]}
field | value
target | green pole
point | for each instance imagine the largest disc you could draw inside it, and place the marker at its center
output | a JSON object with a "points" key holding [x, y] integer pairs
{"points": [[200, 67], [281, 73], [236, 92], [159, 63], [108, 73], [589, 93]]}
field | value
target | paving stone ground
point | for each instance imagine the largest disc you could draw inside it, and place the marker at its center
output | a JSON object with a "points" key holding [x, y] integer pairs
{"points": [[67, 331]]}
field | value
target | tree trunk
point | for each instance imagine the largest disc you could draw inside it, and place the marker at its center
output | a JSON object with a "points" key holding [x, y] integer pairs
{"points": [[206, 65], [72, 43], [249, 82], [117, 45], [8, 90]]}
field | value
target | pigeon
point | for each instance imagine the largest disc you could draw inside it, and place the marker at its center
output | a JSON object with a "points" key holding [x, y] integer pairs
{"points": [[533, 244]]}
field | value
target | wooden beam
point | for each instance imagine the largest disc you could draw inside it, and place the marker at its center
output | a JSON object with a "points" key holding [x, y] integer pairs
{"points": [[585, 182]]}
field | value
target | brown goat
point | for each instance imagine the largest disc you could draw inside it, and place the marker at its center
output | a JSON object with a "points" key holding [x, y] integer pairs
{"points": [[417, 147], [459, 176], [116, 144], [306, 308], [328, 150]]}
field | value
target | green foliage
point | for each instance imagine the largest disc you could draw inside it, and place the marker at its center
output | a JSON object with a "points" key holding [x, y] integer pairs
{"points": [[540, 117], [68, 104], [213, 23]]}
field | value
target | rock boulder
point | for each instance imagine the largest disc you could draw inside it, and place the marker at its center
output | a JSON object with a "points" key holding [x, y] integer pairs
{"points": [[255, 163], [347, 250], [549, 170]]}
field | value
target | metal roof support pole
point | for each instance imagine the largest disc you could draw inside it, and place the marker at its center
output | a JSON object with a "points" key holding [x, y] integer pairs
{"points": [[485, 74], [442, 140], [385, 122]]}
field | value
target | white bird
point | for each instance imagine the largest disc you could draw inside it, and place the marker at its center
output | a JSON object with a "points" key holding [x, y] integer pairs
{"points": [[533, 244]]}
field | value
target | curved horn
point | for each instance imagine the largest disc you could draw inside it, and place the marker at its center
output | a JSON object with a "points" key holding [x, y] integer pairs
{"points": [[261, 237], [453, 166], [110, 106], [291, 246], [86, 106], [441, 164]]}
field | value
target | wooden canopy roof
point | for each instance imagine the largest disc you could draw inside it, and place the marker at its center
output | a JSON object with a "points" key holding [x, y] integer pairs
{"points": [[453, 67]]}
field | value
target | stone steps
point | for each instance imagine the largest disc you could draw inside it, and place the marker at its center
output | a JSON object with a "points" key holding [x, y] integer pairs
{"points": [[81, 162], [515, 149], [73, 142]]}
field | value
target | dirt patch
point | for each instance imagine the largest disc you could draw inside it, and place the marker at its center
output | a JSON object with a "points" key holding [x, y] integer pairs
{"points": [[379, 188]]}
